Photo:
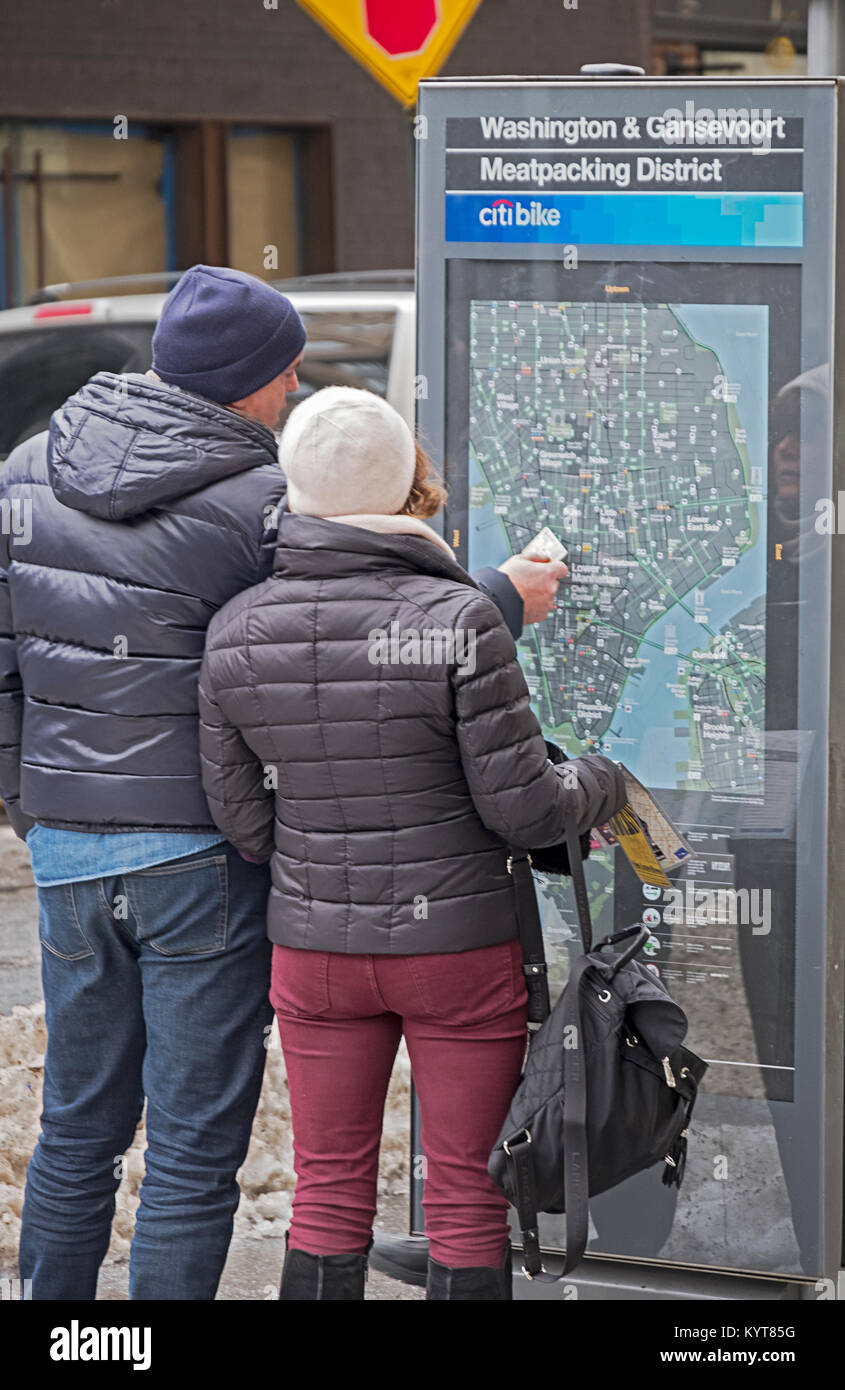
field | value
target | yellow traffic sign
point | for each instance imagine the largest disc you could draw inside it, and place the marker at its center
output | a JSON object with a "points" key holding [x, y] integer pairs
{"points": [[399, 44]]}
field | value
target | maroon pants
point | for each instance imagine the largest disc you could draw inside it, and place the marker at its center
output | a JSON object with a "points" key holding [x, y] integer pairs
{"points": [[341, 1018]]}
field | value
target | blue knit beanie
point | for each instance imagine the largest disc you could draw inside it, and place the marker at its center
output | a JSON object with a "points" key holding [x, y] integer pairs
{"points": [[224, 334]]}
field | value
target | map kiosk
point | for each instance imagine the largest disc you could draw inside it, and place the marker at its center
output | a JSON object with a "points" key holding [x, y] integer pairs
{"points": [[626, 295]]}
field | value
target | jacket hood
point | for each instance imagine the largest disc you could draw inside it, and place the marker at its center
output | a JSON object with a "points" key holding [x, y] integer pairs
{"points": [[124, 444], [316, 547]]}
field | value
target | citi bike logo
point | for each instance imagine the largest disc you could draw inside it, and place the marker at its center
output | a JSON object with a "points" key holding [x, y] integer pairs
{"points": [[504, 212]]}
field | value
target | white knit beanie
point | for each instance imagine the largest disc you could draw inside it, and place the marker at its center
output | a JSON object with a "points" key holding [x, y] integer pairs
{"points": [[345, 452]]}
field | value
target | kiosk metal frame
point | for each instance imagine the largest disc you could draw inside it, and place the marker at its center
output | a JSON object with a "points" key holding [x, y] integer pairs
{"points": [[810, 1123]]}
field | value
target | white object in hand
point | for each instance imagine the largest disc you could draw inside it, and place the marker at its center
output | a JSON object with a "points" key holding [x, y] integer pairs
{"points": [[545, 546]]}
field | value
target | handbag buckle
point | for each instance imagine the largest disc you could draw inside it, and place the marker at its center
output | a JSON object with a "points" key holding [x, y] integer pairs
{"points": [[516, 1138], [509, 865]]}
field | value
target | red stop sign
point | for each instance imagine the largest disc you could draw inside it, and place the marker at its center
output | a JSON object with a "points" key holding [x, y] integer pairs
{"points": [[403, 28]]}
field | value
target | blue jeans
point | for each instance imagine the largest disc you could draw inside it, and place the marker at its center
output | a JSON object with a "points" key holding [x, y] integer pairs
{"points": [[156, 985]]}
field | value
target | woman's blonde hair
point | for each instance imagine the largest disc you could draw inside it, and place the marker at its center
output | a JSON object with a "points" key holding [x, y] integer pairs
{"points": [[428, 491]]}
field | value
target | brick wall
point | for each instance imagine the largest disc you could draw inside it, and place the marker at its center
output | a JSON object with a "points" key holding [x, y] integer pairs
{"points": [[235, 60]]}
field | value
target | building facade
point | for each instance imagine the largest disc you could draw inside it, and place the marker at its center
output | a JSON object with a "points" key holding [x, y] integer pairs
{"points": [[146, 137]]}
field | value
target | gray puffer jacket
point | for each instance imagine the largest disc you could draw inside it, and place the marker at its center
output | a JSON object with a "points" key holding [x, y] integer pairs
{"points": [[386, 780], [146, 509]]}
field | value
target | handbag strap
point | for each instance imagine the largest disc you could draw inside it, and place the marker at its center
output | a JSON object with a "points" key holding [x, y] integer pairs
{"points": [[518, 1150], [575, 1155], [582, 902], [534, 966], [576, 1176]]}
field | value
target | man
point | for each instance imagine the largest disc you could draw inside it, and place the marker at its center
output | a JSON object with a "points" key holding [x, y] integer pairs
{"points": [[149, 500]]}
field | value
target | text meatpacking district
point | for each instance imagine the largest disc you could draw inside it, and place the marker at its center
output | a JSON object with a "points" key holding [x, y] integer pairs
{"points": [[593, 169]]}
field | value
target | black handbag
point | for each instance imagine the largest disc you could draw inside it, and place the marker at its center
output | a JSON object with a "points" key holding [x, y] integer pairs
{"points": [[607, 1088]]}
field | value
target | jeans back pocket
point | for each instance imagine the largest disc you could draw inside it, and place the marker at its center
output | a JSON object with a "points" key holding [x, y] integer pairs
{"points": [[181, 908], [59, 928]]}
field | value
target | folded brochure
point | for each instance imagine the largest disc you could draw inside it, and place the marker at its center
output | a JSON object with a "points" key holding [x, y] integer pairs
{"points": [[646, 836]]}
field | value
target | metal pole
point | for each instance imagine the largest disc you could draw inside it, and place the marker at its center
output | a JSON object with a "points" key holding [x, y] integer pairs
{"points": [[7, 179], [38, 186], [826, 38]]}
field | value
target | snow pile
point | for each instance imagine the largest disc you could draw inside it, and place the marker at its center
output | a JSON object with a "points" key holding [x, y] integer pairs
{"points": [[22, 1041], [267, 1177]]}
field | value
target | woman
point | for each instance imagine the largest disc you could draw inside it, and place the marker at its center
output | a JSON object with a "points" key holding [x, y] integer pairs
{"points": [[367, 726]]}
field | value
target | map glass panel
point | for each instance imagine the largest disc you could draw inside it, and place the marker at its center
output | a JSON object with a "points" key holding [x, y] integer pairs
{"points": [[638, 432]]}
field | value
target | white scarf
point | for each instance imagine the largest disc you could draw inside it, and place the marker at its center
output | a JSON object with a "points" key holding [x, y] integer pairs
{"points": [[398, 524]]}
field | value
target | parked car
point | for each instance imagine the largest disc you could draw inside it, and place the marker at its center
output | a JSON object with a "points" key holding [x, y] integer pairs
{"points": [[360, 333]]}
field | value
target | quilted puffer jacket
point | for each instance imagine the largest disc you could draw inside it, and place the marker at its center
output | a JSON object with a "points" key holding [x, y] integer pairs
{"points": [[147, 509], [385, 784]]}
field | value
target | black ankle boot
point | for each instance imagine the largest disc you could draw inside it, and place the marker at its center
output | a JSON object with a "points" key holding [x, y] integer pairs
{"points": [[323, 1278], [478, 1284], [401, 1257]]}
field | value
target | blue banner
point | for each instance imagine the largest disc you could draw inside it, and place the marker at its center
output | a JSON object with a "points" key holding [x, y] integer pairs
{"points": [[628, 219]]}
